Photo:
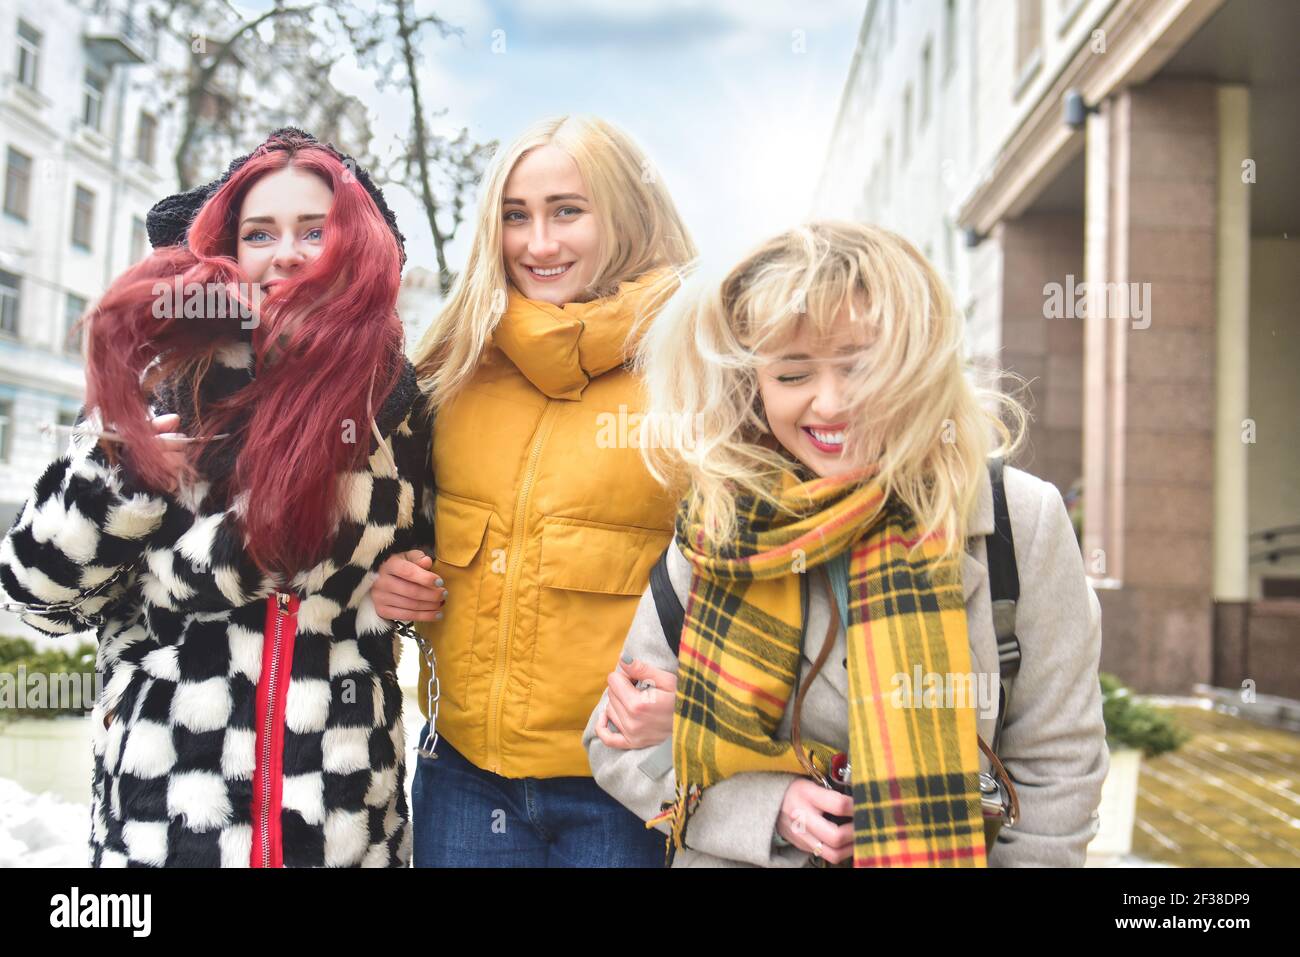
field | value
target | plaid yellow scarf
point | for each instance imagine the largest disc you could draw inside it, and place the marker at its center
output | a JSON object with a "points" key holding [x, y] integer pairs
{"points": [[915, 771]]}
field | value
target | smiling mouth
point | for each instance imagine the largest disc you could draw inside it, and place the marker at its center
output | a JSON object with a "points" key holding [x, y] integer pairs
{"points": [[829, 440], [548, 273]]}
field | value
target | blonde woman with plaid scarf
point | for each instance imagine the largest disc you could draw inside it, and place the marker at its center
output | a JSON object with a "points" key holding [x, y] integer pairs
{"points": [[817, 403]]}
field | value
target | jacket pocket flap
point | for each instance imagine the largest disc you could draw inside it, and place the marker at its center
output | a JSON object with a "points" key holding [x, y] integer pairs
{"points": [[589, 558], [458, 530]]}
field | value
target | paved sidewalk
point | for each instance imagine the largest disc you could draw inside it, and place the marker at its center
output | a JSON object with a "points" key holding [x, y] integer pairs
{"points": [[1229, 797]]}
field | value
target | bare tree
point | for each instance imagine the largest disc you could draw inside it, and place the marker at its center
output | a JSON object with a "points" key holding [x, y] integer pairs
{"points": [[441, 170], [213, 108]]}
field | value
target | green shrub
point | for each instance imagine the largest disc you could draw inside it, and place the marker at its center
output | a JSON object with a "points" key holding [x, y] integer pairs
{"points": [[1131, 723]]}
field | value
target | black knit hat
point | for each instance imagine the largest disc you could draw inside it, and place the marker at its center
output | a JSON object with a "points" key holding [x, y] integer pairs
{"points": [[169, 220]]}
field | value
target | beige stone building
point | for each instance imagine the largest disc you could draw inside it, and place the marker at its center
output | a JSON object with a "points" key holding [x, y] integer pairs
{"points": [[1110, 187]]}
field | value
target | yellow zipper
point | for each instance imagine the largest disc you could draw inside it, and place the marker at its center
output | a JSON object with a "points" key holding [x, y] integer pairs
{"points": [[512, 580]]}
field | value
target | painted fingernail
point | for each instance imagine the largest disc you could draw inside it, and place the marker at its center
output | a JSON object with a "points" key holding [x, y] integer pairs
{"points": [[438, 617], [444, 594], [438, 583], [627, 659]]}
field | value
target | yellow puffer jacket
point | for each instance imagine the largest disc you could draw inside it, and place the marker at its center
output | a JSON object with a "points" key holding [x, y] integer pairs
{"points": [[546, 526]]}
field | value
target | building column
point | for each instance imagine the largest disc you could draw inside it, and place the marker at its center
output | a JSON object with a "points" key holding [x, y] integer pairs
{"points": [[1232, 382], [1150, 407], [1042, 262]]}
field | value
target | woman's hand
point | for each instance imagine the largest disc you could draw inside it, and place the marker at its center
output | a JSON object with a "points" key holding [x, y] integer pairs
{"points": [[801, 823], [407, 589], [640, 706], [174, 445]]}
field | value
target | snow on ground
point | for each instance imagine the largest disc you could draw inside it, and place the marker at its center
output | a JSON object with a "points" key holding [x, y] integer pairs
{"points": [[41, 830]]}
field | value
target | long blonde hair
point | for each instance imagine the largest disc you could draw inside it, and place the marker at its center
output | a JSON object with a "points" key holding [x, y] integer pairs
{"points": [[640, 231], [911, 408]]}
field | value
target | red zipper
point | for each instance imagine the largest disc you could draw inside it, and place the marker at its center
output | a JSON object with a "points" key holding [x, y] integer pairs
{"points": [[268, 775]]}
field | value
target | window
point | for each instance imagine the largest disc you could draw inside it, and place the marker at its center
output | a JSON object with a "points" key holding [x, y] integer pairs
{"points": [[139, 239], [83, 218], [949, 36], [67, 420], [1029, 31], [29, 54], [18, 183], [10, 286], [926, 57], [6, 428], [92, 101], [74, 308], [145, 135], [905, 147]]}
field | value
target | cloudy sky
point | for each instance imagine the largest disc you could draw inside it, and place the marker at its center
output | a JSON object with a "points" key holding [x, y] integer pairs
{"points": [[733, 100]]}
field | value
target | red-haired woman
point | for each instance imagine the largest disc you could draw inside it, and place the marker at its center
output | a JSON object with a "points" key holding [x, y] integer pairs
{"points": [[250, 712]]}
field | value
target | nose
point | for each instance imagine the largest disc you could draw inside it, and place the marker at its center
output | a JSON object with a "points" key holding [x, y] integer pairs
{"points": [[828, 401], [288, 253], [541, 245]]}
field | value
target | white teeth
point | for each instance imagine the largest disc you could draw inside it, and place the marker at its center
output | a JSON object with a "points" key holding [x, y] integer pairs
{"points": [[549, 272], [828, 438]]}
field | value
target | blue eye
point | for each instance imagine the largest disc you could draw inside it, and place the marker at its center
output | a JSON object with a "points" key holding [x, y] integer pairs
{"points": [[252, 237], [572, 209], [315, 233], [513, 213]]}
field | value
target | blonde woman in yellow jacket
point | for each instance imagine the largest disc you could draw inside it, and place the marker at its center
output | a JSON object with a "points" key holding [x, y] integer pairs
{"points": [[546, 521]]}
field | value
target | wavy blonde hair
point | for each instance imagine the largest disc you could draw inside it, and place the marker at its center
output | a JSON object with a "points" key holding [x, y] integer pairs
{"points": [[911, 407], [640, 231]]}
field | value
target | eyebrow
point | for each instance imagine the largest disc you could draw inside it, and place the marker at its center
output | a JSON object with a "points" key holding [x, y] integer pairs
{"points": [[804, 357], [306, 217], [554, 198]]}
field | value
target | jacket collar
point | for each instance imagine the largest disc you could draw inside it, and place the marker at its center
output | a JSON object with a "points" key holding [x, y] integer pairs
{"points": [[981, 519], [562, 348]]}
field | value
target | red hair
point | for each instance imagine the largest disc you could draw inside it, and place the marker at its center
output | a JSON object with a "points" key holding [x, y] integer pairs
{"points": [[319, 378]]}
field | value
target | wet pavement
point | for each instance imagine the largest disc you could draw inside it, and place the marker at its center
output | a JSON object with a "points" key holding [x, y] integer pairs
{"points": [[1229, 797]]}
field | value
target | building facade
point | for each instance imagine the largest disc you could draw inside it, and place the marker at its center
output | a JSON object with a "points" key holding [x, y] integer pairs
{"points": [[88, 139], [85, 154], [1107, 185]]}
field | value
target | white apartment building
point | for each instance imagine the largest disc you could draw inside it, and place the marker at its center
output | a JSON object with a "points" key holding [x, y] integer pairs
{"points": [[85, 153], [87, 146], [1064, 151]]}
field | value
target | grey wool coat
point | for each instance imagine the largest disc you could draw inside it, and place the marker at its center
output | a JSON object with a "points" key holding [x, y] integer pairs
{"points": [[1053, 739]]}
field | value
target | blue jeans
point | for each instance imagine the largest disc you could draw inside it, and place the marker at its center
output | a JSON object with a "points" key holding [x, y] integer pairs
{"points": [[463, 816]]}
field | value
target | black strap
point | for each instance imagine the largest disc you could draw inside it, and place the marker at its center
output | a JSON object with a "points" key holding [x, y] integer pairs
{"points": [[1004, 588], [672, 616]]}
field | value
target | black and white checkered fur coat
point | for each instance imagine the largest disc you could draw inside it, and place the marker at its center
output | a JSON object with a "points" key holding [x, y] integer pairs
{"points": [[181, 650]]}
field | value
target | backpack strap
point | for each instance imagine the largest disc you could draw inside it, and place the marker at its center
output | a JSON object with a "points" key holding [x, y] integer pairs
{"points": [[1004, 587], [672, 616]]}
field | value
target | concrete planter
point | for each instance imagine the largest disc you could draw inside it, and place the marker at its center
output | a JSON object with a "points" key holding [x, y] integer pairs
{"points": [[48, 754], [1118, 808]]}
